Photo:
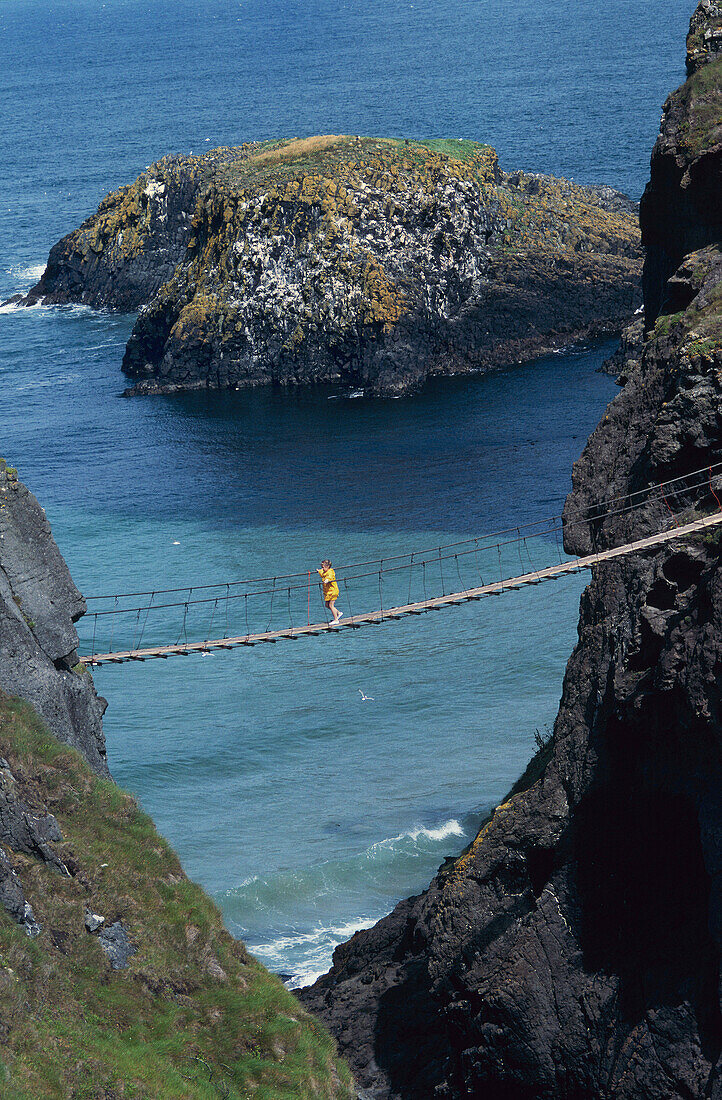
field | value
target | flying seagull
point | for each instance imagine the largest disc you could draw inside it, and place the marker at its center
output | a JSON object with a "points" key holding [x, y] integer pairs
{"points": [[365, 698]]}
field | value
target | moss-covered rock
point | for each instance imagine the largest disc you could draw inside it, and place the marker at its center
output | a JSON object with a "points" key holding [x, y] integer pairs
{"points": [[335, 258], [183, 1012], [681, 209]]}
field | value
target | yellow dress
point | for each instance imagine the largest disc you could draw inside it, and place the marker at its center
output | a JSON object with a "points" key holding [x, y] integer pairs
{"points": [[330, 588]]}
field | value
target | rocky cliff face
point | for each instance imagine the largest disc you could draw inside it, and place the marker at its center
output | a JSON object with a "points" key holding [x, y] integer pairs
{"points": [[681, 209], [129, 248], [573, 951], [117, 977], [341, 259], [39, 606]]}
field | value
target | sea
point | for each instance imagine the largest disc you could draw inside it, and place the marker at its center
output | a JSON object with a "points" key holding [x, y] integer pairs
{"points": [[309, 787]]}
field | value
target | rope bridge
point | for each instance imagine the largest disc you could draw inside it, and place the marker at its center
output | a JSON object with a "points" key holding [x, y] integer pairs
{"points": [[203, 618]]}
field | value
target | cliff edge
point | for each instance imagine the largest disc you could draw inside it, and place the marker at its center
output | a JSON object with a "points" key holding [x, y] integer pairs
{"points": [[117, 977], [353, 260], [573, 950], [39, 606]]}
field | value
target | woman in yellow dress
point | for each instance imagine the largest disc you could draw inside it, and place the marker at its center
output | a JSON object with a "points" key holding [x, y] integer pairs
{"points": [[330, 588]]}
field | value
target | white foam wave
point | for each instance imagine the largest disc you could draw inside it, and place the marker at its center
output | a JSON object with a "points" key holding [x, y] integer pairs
{"points": [[317, 935], [30, 274], [315, 948], [449, 828], [76, 309], [24, 276], [441, 832]]}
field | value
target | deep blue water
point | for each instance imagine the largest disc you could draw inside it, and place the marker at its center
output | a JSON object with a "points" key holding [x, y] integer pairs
{"points": [[305, 811]]}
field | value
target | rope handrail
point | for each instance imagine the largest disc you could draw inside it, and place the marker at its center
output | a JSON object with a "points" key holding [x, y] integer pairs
{"points": [[706, 471], [474, 545], [436, 603]]}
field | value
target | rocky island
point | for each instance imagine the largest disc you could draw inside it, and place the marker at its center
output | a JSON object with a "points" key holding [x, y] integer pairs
{"points": [[117, 977], [573, 950], [348, 260]]}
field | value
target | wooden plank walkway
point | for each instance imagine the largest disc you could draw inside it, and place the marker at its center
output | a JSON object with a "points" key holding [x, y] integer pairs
{"points": [[374, 618]]}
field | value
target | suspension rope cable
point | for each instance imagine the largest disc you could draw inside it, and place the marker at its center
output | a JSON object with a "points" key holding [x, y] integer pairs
{"points": [[145, 620], [112, 625], [539, 534], [348, 602], [273, 593], [261, 592], [476, 559], [712, 489], [558, 544], [491, 535], [213, 615], [666, 533], [674, 520], [182, 630], [458, 570], [135, 628]]}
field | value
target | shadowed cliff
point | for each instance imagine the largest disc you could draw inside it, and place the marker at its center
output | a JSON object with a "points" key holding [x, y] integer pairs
{"points": [[573, 950]]}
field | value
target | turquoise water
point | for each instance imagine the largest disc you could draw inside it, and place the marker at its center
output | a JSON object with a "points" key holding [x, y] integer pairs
{"points": [[306, 811]]}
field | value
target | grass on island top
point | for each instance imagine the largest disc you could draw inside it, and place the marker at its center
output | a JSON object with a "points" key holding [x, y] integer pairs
{"points": [[193, 1015], [331, 155]]}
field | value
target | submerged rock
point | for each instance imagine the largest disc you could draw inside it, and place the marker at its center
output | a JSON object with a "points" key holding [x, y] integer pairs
{"points": [[371, 262]]}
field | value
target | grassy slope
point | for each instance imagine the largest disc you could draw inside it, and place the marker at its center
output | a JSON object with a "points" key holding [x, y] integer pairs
{"points": [[700, 100], [193, 1015]]}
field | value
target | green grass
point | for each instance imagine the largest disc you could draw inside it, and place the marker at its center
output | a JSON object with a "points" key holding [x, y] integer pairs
{"points": [[193, 1016], [456, 148], [701, 99], [276, 162], [666, 321]]}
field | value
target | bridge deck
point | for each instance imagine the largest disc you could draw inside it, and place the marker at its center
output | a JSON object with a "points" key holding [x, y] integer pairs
{"points": [[373, 618]]}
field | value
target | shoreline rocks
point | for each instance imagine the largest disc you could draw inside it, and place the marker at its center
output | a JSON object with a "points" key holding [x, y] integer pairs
{"points": [[370, 262]]}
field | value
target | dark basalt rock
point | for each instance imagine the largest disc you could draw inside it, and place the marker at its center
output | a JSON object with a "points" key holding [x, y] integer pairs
{"points": [[39, 605], [25, 826], [572, 952], [704, 41], [341, 259], [681, 209], [114, 941], [122, 255]]}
